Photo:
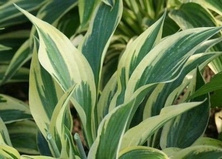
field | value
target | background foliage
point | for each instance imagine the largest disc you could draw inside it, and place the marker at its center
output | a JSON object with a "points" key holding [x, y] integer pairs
{"points": [[132, 70]]}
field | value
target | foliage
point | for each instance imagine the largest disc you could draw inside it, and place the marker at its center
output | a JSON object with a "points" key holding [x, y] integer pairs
{"points": [[122, 65]]}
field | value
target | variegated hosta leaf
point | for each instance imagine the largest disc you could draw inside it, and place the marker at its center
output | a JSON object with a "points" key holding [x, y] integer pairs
{"points": [[213, 85], [199, 152], [12, 109], [61, 126], [186, 128], [7, 151], [139, 134], [207, 45], [68, 67], [208, 142], [22, 75], [22, 55], [170, 54], [48, 13], [13, 39], [166, 94], [214, 5], [86, 9], [11, 16], [2, 47], [36, 157], [110, 132], [106, 97], [132, 56], [203, 18], [95, 44], [200, 16], [141, 152], [51, 14], [165, 61], [23, 136], [4, 133], [44, 94], [109, 2]]}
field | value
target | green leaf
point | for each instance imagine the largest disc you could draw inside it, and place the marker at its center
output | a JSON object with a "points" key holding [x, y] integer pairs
{"points": [[139, 134], [171, 54], [11, 16], [86, 9], [23, 136], [214, 5], [2, 47], [200, 16], [166, 94], [214, 85], [109, 2], [132, 56], [206, 141], [44, 94], [12, 109], [215, 98], [7, 151], [185, 129], [22, 75], [36, 157], [4, 133], [95, 45], [20, 57], [61, 126], [207, 45], [68, 67], [199, 152], [50, 12], [171, 151], [106, 97], [110, 133], [13, 39], [142, 153]]}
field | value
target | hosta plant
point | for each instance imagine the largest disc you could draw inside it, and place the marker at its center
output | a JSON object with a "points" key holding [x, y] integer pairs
{"points": [[138, 113]]}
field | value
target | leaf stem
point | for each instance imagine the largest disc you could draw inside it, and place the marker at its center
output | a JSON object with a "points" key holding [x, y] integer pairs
{"points": [[80, 146], [53, 145]]}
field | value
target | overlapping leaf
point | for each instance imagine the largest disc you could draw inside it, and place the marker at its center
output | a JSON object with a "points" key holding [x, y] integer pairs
{"points": [[86, 9], [177, 133], [22, 75], [44, 95], [166, 94], [12, 109], [202, 18], [142, 153], [61, 126], [110, 133], [4, 133], [199, 152], [95, 44], [134, 53], [139, 134], [68, 67], [10, 15], [48, 13], [20, 57], [7, 151], [23, 136], [168, 57]]}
